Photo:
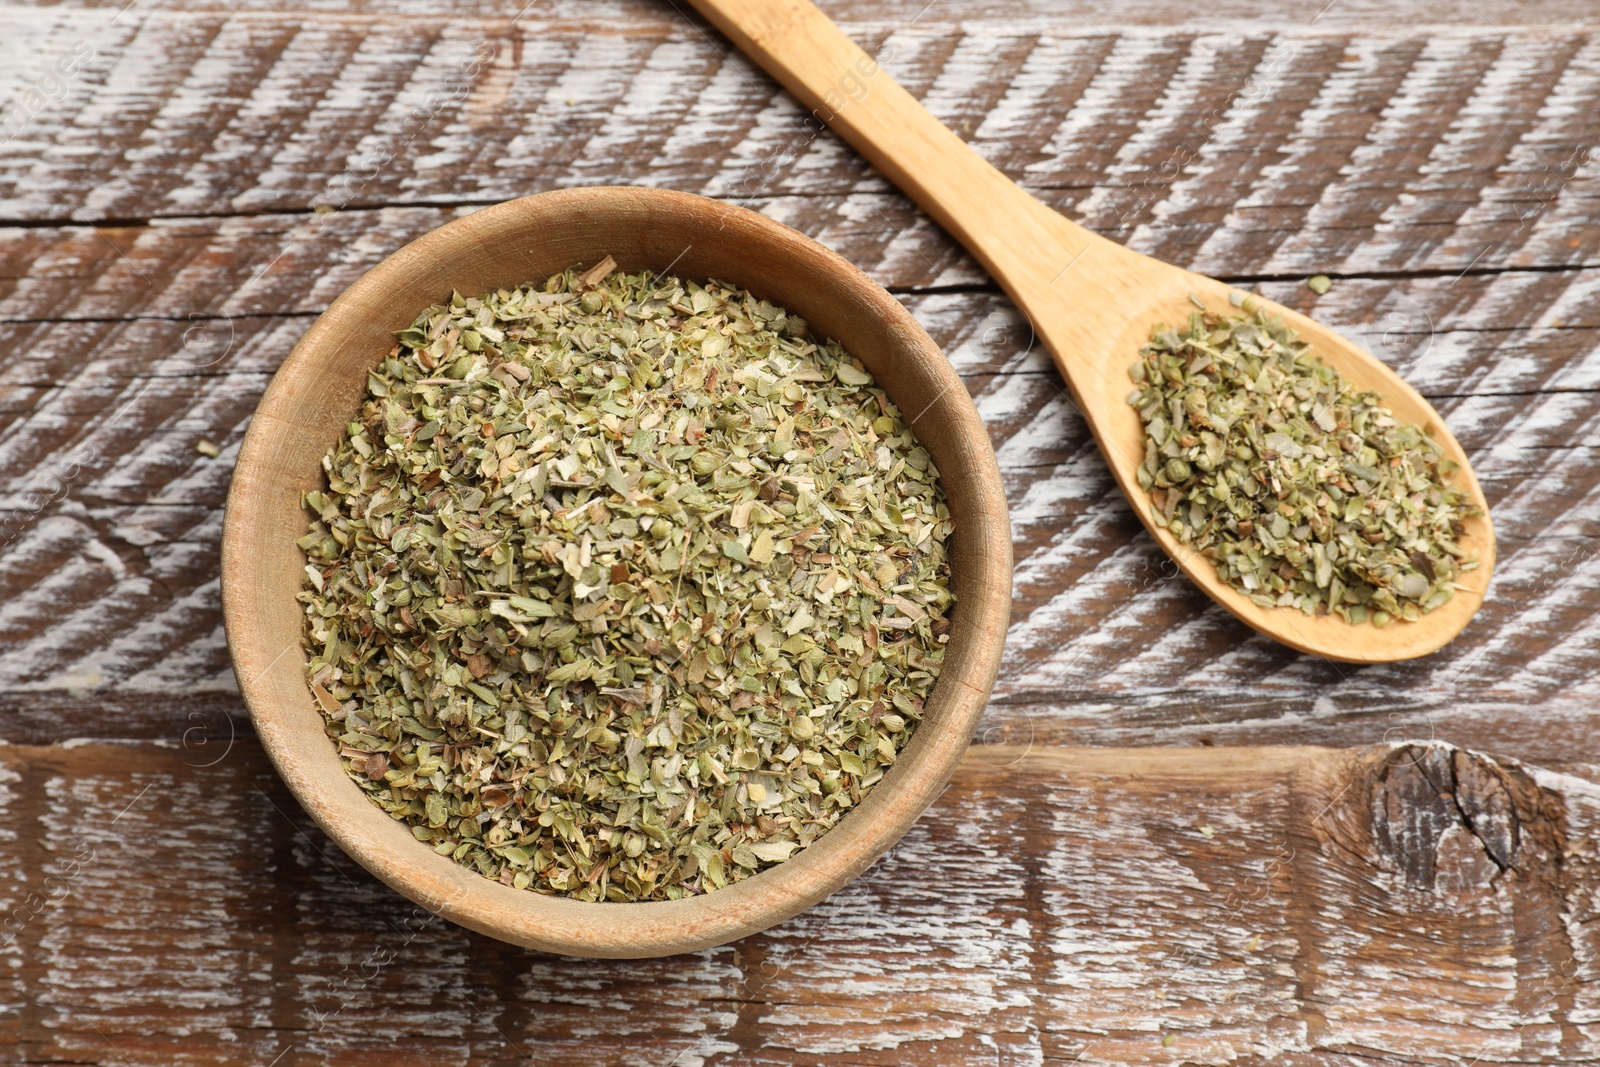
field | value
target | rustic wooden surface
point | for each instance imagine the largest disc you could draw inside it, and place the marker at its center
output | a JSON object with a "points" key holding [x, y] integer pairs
{"points": [[1289, 906], [174, 214], [1089, 301]]}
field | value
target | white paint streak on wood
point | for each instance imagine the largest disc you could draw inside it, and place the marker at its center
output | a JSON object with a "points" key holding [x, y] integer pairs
{"points": [[1550, 171], [1102, 107], [1340, 88], [1058, 905], [26, 63], [1187, 129], [1482, 122], [1434, 74], [186, 103], [719, 111], [897, 246], [772, 136], [664, 97], [961, 90], [1033, 97], [656, 101], [292, 82], [410, 88], [951, 958]]}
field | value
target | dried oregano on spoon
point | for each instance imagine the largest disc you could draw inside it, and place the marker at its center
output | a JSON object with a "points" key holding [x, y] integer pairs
{"points": [[623, 588], [1302, 490]]}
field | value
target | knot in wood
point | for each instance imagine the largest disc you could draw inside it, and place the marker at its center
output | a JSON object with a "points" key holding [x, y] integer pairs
{"points": [[1442, 814]]}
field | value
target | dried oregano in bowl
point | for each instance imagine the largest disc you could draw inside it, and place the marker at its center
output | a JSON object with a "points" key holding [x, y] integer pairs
{"points": [[1303, 491], [623, 587]]}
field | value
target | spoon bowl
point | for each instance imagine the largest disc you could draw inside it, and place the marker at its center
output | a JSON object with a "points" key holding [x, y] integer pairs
{"points": [[1102, 385], [319, 390], [1090, 301]]}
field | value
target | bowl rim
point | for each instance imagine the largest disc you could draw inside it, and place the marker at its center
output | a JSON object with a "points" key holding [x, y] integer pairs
{"points": [[556, 923]]}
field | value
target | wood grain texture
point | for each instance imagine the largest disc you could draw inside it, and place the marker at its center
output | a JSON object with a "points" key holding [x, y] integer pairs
{"points": [[1090, 302], [1416, 904], [1425, 168], [1363, 14], [160, 253]]}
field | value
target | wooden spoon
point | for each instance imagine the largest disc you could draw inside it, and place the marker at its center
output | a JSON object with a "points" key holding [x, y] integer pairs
{"points": [[1091, 301]]}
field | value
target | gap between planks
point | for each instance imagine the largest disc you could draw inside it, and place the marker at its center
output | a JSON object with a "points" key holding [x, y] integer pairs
{"points": [[1095, 906]]}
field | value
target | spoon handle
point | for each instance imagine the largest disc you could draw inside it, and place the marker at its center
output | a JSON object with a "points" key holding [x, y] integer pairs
{"points": [[1023, 244]]}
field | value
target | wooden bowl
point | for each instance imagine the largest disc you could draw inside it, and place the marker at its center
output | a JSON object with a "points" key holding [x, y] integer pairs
{"points": [[319, 390]]}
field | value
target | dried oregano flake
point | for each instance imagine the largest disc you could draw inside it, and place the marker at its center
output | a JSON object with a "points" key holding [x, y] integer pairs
{"points": [[1302, 491], [623, 588]]}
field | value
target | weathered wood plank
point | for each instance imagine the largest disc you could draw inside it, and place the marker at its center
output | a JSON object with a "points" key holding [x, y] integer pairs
{"points": [[130, 345], [1444, 172], [124, 357], [1412, 904], [1296, 907], [1256, 151], [1360, 13]]}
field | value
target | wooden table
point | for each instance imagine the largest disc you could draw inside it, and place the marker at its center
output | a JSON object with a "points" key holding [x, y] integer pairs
{"points": [[1177, 842]]}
